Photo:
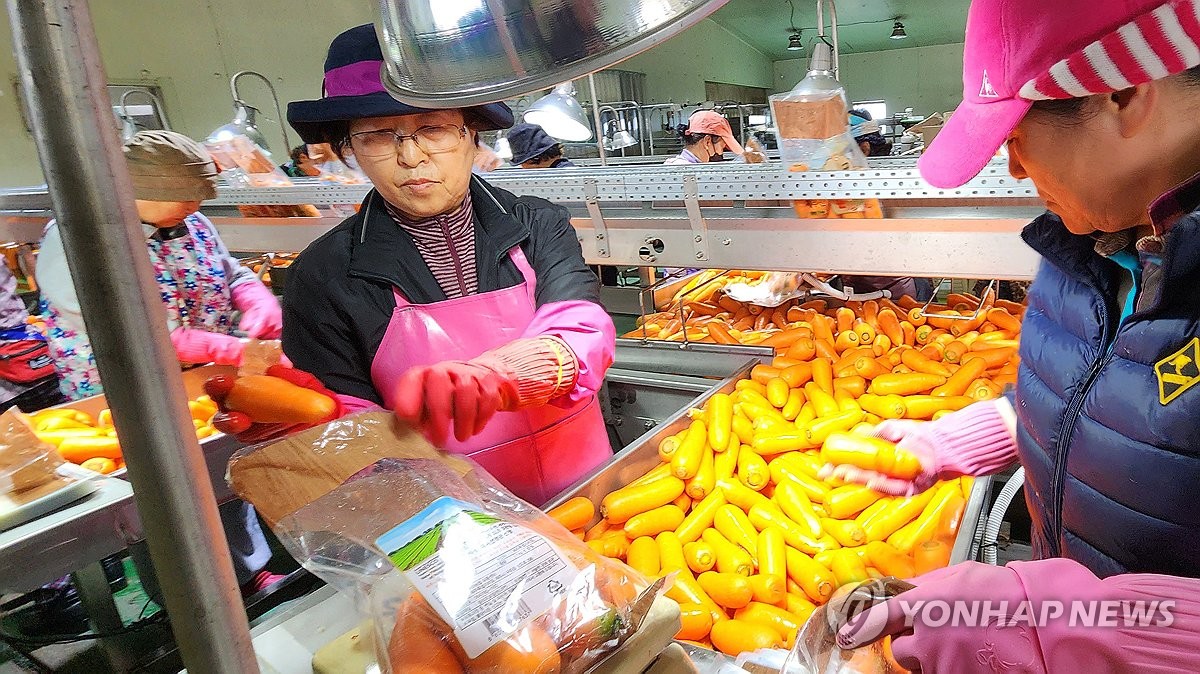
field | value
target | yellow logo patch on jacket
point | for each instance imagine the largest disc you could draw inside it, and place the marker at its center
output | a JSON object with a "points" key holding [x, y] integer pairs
{"points": [[1178, 372]]}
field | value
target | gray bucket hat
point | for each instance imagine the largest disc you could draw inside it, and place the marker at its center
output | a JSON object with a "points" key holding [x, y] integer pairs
{"points": [[169, 166]]}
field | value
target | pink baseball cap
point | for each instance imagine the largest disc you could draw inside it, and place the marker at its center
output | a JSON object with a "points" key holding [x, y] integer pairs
{"points": [[1021, 51], [712, 123]]}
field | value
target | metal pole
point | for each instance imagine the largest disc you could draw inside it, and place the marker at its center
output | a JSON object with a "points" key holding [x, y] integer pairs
{"points": [[64, 84], [596, 120]]}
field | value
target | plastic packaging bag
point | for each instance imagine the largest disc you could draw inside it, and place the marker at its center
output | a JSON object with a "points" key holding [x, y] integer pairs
{"points": [[778, 287], [336, 172], [258, 355], [813, 130], [455, 572], [245, 164], [816, 650], [26, 463]]}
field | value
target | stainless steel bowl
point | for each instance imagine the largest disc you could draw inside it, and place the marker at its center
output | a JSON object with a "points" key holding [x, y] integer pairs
{"points": [[454, 53]]}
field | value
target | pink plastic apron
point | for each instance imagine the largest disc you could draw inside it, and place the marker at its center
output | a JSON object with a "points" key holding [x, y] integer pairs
{"points": [[535, 452]]}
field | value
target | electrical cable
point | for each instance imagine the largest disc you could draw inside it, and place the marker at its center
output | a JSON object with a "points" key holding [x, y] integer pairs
{"points": [[996, 517], [59, 639], [856, 23]]}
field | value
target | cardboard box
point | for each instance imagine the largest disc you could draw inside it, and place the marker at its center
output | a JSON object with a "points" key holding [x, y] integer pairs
{"points": [[930, 127]]}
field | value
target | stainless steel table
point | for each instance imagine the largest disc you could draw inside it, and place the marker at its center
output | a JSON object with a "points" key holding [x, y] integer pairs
{"points": [[66, 540]]}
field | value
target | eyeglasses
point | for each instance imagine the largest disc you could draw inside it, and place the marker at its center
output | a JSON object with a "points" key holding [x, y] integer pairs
{"points": [[430, 139]]}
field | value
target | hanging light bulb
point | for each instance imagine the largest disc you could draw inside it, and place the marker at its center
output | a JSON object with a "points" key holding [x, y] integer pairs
{"points": [[794, 41], [245, 116], [245, 123], [129, 127], [898, 32], [504, 48], [560, 115], [621, 140]]}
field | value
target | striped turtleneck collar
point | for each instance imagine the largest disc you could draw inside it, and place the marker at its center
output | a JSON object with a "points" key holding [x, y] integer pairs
{"points": [[446, 243]]}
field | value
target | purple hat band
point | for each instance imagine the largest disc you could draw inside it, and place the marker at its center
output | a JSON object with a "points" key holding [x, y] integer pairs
{"points": [[357, 79]]}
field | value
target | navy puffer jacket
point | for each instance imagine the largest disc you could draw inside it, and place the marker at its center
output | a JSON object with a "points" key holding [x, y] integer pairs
{"points": [[1112, 473]]}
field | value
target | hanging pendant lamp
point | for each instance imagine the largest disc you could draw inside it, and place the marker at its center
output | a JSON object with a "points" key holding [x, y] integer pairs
{"points": [[454, 53]]}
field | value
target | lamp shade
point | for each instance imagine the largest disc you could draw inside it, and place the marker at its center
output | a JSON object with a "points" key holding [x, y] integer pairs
{"points": [[502, 49], [795, 42], [245, 123], [898, 32], [560, 115], [819, 81], [622, 139]]}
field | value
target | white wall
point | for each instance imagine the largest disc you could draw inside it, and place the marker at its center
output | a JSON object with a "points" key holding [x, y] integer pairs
{"points": [[676, 70], [928, 79], [190, 48]]}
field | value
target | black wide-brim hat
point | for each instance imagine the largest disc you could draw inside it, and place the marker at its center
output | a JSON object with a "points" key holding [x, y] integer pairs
{"points": [[353, 90]]}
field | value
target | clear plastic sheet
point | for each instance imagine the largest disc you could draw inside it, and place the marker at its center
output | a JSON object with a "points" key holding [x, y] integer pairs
{"points": [[456, 573], [245, 164], [817, 651]]}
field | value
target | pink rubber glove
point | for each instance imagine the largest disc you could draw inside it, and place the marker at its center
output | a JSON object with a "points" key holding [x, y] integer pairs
{"points": [[468, 393], [1127, 623], [262, 317], [977, 440], [199, 346]]}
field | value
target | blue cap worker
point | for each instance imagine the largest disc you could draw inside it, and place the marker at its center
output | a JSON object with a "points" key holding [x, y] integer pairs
{"points": [[866, 132], [533, 148]]}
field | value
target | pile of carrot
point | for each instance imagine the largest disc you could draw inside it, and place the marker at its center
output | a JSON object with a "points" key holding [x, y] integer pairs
{"points": [[755, 539], [704, 314], [92, 441], [735, 508]]}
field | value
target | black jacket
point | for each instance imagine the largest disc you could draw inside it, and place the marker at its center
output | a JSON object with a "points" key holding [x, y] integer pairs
{"points": [[338, 299]]}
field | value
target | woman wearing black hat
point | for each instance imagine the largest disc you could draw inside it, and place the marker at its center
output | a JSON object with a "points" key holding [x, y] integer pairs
{"points": [[460, 306]]}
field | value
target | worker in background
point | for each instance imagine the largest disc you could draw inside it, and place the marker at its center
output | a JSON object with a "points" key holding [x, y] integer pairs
{"points": [[706, 137], [301, 165], [533, 148], [465, 309], [867, 134], [1092, 99], [202, 288]]}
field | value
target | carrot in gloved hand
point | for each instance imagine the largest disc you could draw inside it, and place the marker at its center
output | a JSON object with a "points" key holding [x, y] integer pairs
{"points": [[262, 407], [870, 453]]}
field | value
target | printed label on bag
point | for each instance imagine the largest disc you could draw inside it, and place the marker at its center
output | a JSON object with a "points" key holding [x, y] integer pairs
{"points": [[484, 576]]}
